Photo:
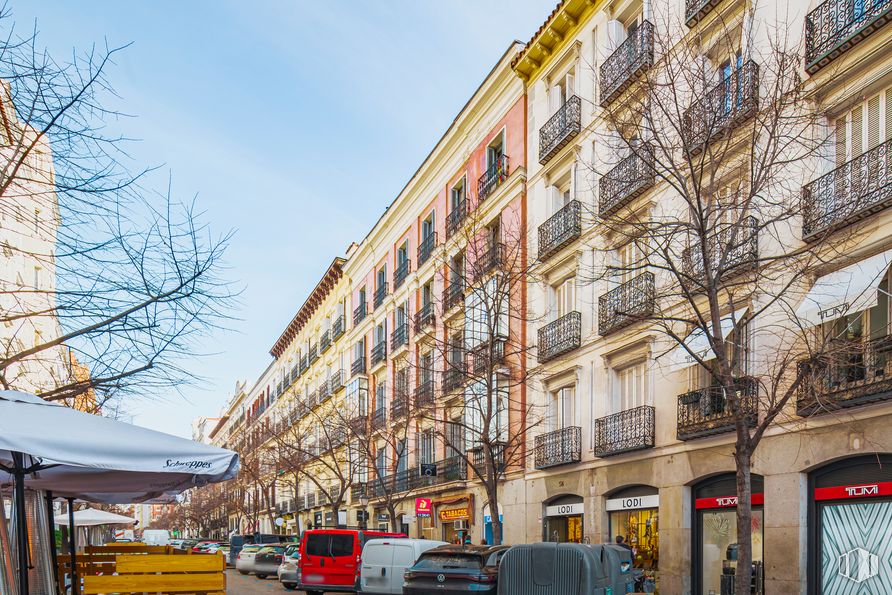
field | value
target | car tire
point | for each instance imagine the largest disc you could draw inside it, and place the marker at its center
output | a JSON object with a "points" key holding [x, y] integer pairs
{"points": [[261, 576], [243, 572], [313, 592], [290, 586]]}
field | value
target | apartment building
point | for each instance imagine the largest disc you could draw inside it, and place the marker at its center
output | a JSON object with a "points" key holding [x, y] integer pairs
{"points": [[426, 323], [638, 440]]}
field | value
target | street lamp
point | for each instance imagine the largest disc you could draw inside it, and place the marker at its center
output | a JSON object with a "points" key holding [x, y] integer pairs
{"points": [[364, 503]]}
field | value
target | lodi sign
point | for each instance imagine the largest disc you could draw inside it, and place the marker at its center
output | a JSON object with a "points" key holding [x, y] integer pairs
{"points": [[633, 502], [868, 490], [565, 509], [422, 507]]}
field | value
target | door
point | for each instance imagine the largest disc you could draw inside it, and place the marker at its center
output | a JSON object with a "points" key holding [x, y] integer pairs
{"points": [[403, 559], [344, 556], [376, 577]]}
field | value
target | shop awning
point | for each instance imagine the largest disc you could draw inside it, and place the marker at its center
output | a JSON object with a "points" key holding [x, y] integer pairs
{"points": [[698, 343], [848, 290]]}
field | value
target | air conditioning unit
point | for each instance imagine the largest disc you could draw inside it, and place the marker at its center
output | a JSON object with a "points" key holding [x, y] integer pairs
{"points": [[460, 525]]}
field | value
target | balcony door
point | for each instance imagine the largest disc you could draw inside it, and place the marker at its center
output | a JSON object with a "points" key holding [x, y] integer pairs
{"points": [[562, 90], [732, 78], [561, 409], [564, 298], [457, 196], [630, 386], [494, 152], [427, 228], [426, 446]]}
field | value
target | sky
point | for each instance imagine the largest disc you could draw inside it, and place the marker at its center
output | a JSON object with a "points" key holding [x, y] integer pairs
{"points": [[294, 123]]}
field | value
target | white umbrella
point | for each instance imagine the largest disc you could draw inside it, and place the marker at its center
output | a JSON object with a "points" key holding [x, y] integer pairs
{"points": [[92, 517]]}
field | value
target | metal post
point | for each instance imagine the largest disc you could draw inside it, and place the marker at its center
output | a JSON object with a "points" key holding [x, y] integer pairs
{"points": [[53, 552], [21, 522], [72, 546]]}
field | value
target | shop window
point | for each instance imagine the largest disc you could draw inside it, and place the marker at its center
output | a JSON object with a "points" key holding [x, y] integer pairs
{"points": [[563, 520], [634, 521]]}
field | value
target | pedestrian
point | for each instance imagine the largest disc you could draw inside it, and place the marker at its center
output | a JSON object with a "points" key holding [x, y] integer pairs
{"points": [[468, 540], [621, 541]]}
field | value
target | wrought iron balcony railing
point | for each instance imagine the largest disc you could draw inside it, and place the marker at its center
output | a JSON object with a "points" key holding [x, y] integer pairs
{"points": [[452, 468], [454, 376], [304, 364], [626, 304], [492, 178], [724, 107], [849, 193], [314, 353], [560, 337], [312, 398], [836, 26], [380, 293], [625, 431], [631, 59], [399, 406], [359, 313], [695, 10], [456, 217], [379, 418], [560, 230], [358, 424], [560, 447], [453, 294], [401, 273], [426, 248], [631, 177], [489, 260], [379, 353], [337, 327], [424, 393], [481, 354], [357, 491], [708, 411], [400, 336], [311, 500], [324, 341], [855, 373], [733, 250], [324, 392], [560, 129], [424, 317], [478, 456], [358, 366], [337, 381]]}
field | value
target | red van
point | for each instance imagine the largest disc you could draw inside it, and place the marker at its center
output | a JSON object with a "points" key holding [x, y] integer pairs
{"points": [[330, 559]]}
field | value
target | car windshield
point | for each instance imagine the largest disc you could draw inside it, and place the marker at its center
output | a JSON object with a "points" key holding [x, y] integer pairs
{"points": [[292, 550], [449, 561], [250, 549], [271, 549]]}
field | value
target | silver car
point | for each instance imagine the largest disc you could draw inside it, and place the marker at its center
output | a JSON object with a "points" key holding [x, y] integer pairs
{"points": [[244, 563], [289, 569]]}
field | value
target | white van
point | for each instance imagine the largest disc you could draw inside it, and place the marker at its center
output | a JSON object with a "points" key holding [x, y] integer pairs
{"points": [[385, 560], [156, 536]]}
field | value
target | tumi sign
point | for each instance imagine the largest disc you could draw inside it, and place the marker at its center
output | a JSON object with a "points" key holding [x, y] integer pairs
{"points": [[867, 490], [726, 501]]}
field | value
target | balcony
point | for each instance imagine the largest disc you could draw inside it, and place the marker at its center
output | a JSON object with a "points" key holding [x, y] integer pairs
{"points": [[424, 317], [560, 337], [358, 424], [357, 490], [481, 355], [337, 327], [311, 500], [337, 381], [849, 193], [625, 431], [359, 313], [453, 294], [401, 273], [379, 419], [478, 456], [631, 178], [400, 336], [424, 394], [733, 250], [454, 376], [630, 60], [399, 406], [314, 354], [324, 341], [453, 468], [456, 217], [426, 248], [496, 173], [560, 129], [560, 230], [857, 373], [560, 447], [379, 353], [358, 366], [380, 293], [626, 304], [304, 364], [324, 392], [707, 411], [312, 399], [836, 26], [724, 107], [695, 10], [491, 259]]}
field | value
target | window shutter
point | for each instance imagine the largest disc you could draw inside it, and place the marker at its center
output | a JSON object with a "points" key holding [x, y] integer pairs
{"points": [[889, 114], [857, 131], [873, 122], [570, 85], [555, 98], [840, 141]]}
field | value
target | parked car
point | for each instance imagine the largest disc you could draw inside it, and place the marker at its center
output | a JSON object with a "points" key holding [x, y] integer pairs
{"points": [[289, 569], [565, 569], [452, 569], [188, 544], [385, 560], [156, 536], [176, 543], [244, 562], [236, 542], [330, 559], [218, 548], [202, 546], [267, 560]]}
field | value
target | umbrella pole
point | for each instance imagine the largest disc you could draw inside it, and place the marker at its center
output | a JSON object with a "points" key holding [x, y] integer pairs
{"points": [[72, 546], [21, 522], [53, 552]]}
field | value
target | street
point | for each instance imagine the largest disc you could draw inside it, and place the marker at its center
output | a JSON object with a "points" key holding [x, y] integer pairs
{"points": [[237, 584]]}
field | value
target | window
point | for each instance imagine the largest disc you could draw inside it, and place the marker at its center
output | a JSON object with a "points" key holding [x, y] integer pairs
{"points": [[402, 255], [456, 269], [381, 333], [455, 437], [381, 461], [426, 447], [426, 367], [495, 151], [562, 409], [733, 84], [486, 401], [427, 227], [381, 277], [480, 302], [561, 90], [864, 127], [402, 456], [565, 297], [630, 386], [359, 350], [36, 221], [36, 277], [401, 315], [628, 261], [380, 397], [427, 294], [457, 195]]}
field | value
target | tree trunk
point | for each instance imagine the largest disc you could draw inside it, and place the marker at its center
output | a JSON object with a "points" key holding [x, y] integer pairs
{"points": [[743, 457], [493, 501], [391, 509]]}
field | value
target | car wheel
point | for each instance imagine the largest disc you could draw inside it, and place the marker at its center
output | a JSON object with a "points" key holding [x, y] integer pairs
{"points": [[290, 586], [261, 576], [243, 572]]}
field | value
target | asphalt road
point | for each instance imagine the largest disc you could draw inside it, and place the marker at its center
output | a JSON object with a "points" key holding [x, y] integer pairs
{"points": [[236, 584]]}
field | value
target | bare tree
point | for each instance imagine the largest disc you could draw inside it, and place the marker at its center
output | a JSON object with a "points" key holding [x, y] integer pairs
{"points": [[124, 277], [721, 140]]}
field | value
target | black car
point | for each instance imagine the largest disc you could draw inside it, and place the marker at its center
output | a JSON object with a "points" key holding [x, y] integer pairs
{"points": [[452, 569], [267, 560]]}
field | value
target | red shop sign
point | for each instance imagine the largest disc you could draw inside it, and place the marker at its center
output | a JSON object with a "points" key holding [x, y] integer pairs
{"points": [[867, 490], [422, 507], [726, 501]]}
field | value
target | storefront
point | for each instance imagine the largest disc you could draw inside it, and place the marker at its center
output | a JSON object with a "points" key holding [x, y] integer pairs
{"points": [[456, 523], [563, 519], [633, 514], [850, 526], [715, 528]]}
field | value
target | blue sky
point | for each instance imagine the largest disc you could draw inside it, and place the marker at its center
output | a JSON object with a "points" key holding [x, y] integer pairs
{"points": [[295, 123]]}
